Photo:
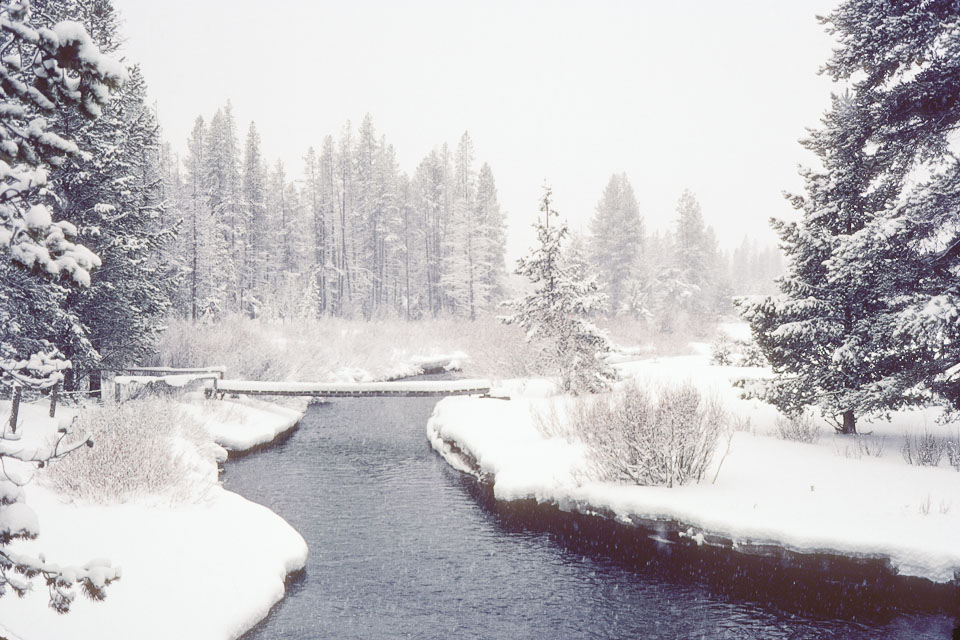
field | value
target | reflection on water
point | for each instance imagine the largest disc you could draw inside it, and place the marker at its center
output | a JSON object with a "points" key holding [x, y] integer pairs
{"points": [[401, 545]]}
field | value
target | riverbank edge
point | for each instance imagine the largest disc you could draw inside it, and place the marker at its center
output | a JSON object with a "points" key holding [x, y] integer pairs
{"points": [[674, 531]]}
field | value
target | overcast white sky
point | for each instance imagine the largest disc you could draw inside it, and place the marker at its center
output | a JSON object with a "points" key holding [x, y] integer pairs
{"points": [[707, 95]]}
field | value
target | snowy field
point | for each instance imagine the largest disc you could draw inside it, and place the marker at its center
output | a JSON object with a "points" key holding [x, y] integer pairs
{"points": [[841, 495], [205, 564]]}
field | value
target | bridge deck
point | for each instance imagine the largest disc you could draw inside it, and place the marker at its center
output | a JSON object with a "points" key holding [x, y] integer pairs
{"points": [[419, 388]]}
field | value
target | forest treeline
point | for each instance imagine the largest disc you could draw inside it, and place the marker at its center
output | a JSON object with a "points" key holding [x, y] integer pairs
{"points": [[219, 229], [353, 236]]}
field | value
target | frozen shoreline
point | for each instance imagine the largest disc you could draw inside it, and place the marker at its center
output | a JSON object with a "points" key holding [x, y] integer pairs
{"points": [[769, 494]]}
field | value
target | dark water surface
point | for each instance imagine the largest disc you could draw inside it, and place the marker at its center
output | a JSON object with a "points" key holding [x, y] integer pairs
{"points": [[403, 546]]}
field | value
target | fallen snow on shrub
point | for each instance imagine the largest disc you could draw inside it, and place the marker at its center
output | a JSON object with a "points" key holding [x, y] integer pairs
{"points": [[800, 496], [142, 449]]}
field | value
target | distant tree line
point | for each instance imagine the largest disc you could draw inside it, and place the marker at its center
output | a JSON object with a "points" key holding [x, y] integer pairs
{"points": [[679, 280], [353, 236]]}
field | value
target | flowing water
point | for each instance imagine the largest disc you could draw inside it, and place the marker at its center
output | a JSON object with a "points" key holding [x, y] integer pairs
{"points": [[403, 546]]}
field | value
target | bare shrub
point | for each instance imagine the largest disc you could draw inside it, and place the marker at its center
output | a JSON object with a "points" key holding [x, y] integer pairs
{"points": [[141, 449], [925, 450], [667, 440], [799, 427], [870, 447]]}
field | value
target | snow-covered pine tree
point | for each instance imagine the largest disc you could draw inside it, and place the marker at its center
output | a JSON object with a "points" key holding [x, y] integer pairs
{"points": [[430, 182], [698, 265], [115, 199], [821, 334], [221, 187], [556, 313], [464, 277], [617, 242], [493, 232], [45, 70], [903, 60], [255, 246]]}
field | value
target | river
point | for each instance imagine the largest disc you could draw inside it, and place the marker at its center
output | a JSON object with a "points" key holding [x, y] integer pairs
{"points": [[403, 546]]}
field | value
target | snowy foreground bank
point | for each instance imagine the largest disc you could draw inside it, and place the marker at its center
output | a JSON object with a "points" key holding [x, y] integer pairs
{"points": [[831, 496], [207, 565]]}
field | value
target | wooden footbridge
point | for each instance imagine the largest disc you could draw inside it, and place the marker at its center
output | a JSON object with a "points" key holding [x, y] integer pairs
{"points": [[408, 389], [215, 386]]}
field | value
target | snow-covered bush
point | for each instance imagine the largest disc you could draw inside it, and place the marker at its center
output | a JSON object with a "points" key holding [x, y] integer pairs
{"points": [[667, 440], [925, 450], [799, 427], [143, 448]]}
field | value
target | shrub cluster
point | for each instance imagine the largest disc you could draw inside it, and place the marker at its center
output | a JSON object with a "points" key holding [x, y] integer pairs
{"points": [[798, 428], [633, 436], [925, 450], [145, 448]]}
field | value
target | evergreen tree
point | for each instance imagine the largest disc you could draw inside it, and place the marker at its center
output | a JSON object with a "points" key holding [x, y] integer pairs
{"points": [[252, 282], [820, 334], [492, 229], [115, 199], [46, 71], [902, 63], [556, 312], [616, 243]]}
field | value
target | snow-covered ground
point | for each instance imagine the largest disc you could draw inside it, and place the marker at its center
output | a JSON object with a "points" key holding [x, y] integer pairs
{"points": [[240, 424], [206, 567], [832, 496]]}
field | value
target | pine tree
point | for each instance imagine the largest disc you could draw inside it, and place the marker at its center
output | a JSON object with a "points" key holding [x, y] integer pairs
{"points": [[46, 71], [221, 189], [616, 243], [555, 314], [256, 229], [115, 199], [821, 334], [492, 229], [902, 64]]}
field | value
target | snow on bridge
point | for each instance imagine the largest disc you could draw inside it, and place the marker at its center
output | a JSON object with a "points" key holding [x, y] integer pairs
{"points": [[415, 388]]}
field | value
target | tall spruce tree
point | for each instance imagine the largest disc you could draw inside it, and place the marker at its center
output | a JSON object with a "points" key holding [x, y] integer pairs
{"points": [[902, 60], [821, 334], [556, 313]]}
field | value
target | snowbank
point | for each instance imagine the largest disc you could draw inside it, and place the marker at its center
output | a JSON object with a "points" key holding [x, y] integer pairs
{"points": [[240, 424], [827, 497], [208, 567], [205, 571], [400, 365]]}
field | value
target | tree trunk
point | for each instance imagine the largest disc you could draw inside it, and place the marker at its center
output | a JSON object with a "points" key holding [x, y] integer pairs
{"points": [[849, 423]]}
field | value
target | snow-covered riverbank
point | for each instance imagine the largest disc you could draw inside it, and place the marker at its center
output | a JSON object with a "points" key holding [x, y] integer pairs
{"points": [[205, 566], [830, 497]]}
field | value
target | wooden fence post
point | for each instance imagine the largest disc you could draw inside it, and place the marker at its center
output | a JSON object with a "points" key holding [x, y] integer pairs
{"points": [[15, 408], [53, 400]]}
